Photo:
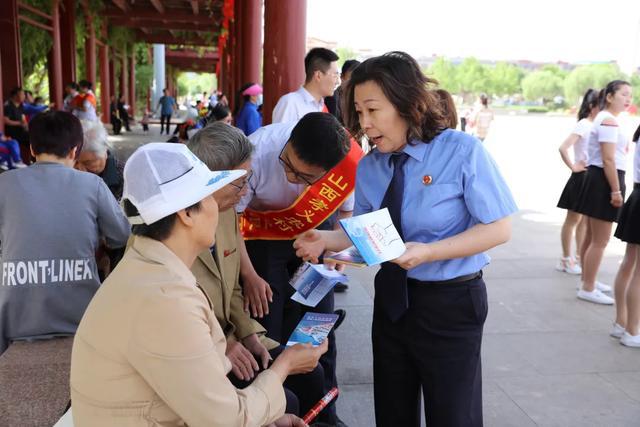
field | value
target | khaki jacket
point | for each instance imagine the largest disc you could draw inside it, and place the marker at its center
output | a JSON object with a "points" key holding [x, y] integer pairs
{"points": [[150, 352], [219, 276]]}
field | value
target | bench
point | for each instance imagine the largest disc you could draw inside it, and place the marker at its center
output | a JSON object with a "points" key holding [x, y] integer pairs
{"points": [[34, 382]]}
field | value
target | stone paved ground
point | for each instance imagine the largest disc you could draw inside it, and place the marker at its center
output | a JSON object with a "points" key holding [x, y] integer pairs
{"points": [[547, 357]]}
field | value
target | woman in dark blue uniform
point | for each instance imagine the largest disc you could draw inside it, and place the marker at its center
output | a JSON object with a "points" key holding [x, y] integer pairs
{"points": [[450, 204]]}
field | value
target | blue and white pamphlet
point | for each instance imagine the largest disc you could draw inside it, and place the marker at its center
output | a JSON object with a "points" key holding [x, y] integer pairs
{"points": [[313, 281], [374, 236], [313, 329]]}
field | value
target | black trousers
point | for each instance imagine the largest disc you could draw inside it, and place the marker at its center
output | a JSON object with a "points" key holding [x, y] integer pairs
{"points": [[165, 118], [302, 391], [434, 349], [275, 261]]}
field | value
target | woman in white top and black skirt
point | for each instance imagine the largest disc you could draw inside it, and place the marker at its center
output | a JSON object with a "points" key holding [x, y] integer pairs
{"points": [[603, 191], [627, 285], [569, 199]]}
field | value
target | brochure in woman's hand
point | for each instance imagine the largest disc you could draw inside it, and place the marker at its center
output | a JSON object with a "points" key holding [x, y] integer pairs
{"points": [[312, 282], [374, 237]]}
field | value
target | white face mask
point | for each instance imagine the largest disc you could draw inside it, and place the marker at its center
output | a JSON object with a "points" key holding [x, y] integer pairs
{"points": [[260, 99]]}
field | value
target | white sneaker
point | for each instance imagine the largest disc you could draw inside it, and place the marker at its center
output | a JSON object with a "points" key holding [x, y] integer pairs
{"points": [[599, 286], [630, 340], [19, 165], [596, 296], [567, 265], [4, 167], [617, 331]]}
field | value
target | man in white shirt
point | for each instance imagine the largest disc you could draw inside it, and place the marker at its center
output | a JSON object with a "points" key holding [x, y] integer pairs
{"points": [[322, 77], [292, 160]]}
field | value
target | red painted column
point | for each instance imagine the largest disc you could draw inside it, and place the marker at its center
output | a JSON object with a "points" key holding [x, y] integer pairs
{"points": [[1, 99], [124, 80], [251, 41], [132, 83], [90, 49], [10, 46], [55, 84], [68, 41], [112, 73], [284, 50], [105, 89], [236, 61]]}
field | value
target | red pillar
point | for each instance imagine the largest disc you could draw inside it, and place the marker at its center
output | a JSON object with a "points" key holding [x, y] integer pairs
{"points": [[236, 62], [124, 80], [251, 41], [55, 66], [132, 83], [284, 50], [68, 41], [10, 46], [90, 49], [1, 99], [105, 89], [112, 73]]}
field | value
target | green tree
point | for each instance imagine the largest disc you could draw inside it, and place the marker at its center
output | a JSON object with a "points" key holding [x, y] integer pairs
{"points": [[472, 77], [589, 76], [345, 53], [445, 73], [541, 84], [505, 79]]}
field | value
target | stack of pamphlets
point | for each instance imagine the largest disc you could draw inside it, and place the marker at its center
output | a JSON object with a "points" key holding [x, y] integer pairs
{"points": [[313, 329], [313, 282], [374, 237]]}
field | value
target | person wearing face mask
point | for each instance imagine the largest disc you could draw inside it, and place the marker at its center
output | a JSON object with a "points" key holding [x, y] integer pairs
{"points": [[450, 204], [249, 119], [217, 269], [322, 77], [149, 350], [603, 189]]}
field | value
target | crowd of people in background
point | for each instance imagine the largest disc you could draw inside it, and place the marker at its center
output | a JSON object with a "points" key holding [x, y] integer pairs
{"points": [[175, 279]]}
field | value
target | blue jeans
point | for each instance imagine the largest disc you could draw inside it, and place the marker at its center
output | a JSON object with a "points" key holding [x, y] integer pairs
{"points": [[13, 156]]}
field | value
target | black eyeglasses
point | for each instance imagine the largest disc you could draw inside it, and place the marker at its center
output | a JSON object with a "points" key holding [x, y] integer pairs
{"points": [[245, 180], [286, 164]]}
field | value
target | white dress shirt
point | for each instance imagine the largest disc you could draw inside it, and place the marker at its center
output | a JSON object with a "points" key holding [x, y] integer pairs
{"points": [[294, 105], [268, 187]]}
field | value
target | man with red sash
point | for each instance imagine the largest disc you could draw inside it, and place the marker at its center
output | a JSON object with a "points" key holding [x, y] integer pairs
{"points": [[303, 178]]}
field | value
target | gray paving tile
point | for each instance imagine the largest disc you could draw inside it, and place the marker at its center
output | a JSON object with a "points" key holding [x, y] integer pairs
{"points": [[500, 360], [572, 352], [499, 410], [355, 359], [355, 405], [628, 382], [571, 400]]}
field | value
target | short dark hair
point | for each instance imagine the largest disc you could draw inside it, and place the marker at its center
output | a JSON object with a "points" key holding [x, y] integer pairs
{"points": [[219, 112], [73, 85], [85, 84], [159, 230], [349, 65], [318, 59], [15, 91], [636, 135], [320, 140], [56, 133], [448, 107], [406, 87]]}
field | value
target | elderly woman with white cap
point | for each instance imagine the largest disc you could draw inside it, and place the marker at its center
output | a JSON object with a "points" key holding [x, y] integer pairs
{"points": [[149, 350], [96, 158], [249, 118]]}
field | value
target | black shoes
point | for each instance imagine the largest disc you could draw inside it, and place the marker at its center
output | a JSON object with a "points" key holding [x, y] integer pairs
{"points": [[341, 315], [340, 287]]}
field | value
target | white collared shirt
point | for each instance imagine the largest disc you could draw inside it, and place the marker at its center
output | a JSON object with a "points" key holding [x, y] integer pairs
{"points": [[294, 105], [268, 187]]}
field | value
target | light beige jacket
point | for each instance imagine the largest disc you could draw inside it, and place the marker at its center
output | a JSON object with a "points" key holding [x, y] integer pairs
{"points": [[218, 274], [150, 352]]}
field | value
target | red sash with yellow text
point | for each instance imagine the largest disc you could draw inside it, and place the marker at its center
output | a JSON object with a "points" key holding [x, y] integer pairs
{"points": [[311, 208]]}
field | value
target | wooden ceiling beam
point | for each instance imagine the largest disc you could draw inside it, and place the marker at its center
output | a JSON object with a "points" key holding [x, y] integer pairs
{"points": [[169, 39], [158, 5], [171, 15], [183, 26], [195, 6], [122, 5]]}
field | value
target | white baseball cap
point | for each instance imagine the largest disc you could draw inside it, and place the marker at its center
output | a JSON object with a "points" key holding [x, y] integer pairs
{"points": [[162, 178]]}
